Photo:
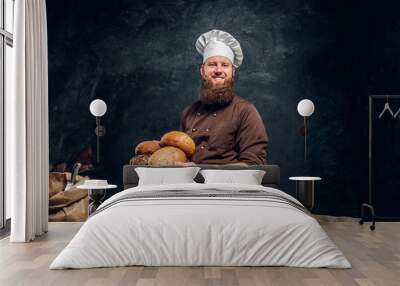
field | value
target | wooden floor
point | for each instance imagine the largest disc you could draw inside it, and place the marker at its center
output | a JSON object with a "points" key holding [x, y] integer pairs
{"points": [[375, 257]]}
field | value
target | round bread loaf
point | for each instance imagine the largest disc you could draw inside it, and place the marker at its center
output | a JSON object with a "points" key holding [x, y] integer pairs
{"points": [[180, 140], [167, 156], [141, 160], [147, 147]]}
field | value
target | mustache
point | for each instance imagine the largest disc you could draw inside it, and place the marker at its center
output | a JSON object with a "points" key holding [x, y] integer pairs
{"points": [[218, 75], [209, 84]]}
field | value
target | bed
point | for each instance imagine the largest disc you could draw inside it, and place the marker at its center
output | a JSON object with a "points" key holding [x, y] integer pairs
{"points": [[197, 224]]}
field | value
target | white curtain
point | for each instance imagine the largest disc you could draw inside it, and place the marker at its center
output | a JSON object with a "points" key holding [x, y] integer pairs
{"points": [[27, 124]]}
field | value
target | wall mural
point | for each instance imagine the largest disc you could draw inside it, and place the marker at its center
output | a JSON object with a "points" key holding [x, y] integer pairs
{"points": [[140, 58]]}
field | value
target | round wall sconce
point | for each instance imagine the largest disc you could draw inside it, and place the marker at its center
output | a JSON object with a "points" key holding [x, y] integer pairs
{"points": [[305, 108], [98, 108]]}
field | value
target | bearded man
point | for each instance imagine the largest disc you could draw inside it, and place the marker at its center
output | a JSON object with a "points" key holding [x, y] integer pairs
{"points": [[226, 128]]}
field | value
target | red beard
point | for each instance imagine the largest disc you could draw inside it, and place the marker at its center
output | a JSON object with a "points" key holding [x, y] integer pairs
{"points": [[216, 96]]}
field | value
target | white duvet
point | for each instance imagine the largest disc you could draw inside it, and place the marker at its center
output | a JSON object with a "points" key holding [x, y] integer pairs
{"points": [[200, 231]]}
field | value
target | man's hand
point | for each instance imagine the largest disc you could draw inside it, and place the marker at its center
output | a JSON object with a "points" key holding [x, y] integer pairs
{"points": [[187, 164]]}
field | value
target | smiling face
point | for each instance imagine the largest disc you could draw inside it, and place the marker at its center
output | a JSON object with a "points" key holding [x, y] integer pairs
{"points": [[217, 81], [218, 70]]}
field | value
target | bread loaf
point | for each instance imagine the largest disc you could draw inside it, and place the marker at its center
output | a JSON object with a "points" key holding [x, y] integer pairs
{"points": [[166, 156], [180, 140], [141, 160], [147, 147]]}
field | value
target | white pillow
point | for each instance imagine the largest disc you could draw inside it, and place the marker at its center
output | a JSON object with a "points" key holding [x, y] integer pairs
{"points": [[163, 176], [248, 177]]}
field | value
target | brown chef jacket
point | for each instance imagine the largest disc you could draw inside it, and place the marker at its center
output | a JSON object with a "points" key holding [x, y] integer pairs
{"points": [[230, 134]]}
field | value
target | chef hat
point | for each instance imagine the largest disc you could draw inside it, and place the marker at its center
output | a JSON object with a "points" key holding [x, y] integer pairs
{"points": [[219, 43]]}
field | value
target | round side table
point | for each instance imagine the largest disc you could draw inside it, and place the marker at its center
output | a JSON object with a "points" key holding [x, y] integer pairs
{"points": [[96, 195], [305, 190]]}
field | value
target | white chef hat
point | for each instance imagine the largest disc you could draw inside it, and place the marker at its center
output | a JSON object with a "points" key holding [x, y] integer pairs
{"points": [[220, 43]]}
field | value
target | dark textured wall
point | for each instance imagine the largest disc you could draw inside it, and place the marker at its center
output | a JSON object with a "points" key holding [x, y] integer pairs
{"points": [[139, 57]]}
